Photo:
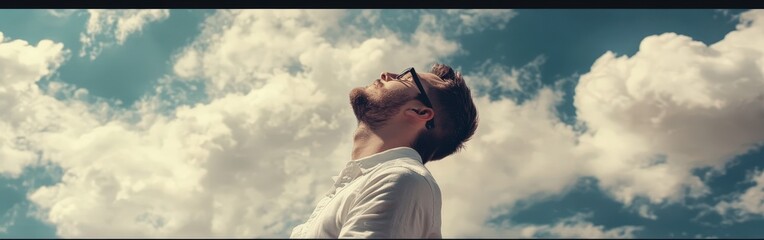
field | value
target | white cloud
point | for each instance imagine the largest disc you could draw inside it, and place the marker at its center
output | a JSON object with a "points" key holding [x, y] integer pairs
{"points": [[241, 165], [21, 66], [644, 211], [746, 205], [105, 27], [675, 106], [456, 22], [32, 114], [370, 16], [478, 20], [516, 83], [577, 227]]}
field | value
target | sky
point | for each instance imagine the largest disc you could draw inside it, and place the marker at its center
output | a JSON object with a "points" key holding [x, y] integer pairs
{"points": [[229, 123]]}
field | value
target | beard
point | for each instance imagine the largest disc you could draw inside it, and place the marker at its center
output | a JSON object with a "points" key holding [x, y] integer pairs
{"points": [[375, 112]]}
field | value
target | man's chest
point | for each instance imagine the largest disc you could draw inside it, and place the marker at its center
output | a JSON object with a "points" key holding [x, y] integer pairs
{"points": [[332, 211]]}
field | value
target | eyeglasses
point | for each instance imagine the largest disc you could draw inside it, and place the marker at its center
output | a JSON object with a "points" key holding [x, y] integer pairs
{"points": [[410, 72]]}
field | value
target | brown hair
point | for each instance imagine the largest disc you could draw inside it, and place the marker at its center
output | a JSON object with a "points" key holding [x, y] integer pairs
{"points": [[456, 117]]}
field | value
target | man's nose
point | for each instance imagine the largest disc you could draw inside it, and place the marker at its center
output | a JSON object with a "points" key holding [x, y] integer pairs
{"points": [[387, 76]]}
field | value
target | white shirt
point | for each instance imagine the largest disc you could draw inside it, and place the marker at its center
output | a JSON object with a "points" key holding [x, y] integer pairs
{"points": [[386, 195]]}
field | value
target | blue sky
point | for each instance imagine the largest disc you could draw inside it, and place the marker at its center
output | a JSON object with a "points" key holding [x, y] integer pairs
{"points": [[594, 123]]}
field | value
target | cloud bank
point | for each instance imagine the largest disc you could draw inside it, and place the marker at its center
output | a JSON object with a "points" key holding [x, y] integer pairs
{"points": [[677, 105]]}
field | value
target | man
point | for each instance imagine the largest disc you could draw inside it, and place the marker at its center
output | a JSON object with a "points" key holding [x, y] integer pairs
{"points": [[404, 121]]}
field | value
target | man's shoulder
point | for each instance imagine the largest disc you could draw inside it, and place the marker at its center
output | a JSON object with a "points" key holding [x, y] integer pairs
{"points": [[407, 171], [404, 166]]}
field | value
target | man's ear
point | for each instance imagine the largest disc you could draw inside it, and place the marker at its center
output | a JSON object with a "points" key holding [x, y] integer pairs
{"points": [[423, 114]]}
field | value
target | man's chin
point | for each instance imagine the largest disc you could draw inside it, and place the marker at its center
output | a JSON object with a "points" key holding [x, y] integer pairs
{"points": [[359, 101]]}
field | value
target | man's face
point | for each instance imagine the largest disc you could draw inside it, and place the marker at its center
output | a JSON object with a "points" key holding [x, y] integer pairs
{"points": [[382, 99]]}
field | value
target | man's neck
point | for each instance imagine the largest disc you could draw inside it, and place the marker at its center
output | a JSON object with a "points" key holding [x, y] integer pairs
{"points": [[367, 142]]}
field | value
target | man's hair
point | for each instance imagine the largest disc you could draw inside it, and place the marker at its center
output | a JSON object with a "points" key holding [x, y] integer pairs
{"points": [[456, 117]]}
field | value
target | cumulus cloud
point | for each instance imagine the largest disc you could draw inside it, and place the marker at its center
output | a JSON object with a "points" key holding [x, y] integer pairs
{"points": [[33, 114], [675, 106], [21, 101], [106, 27]]}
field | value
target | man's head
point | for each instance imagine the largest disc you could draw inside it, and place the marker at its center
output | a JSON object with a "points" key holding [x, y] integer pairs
{"points": [[395, 100]]}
